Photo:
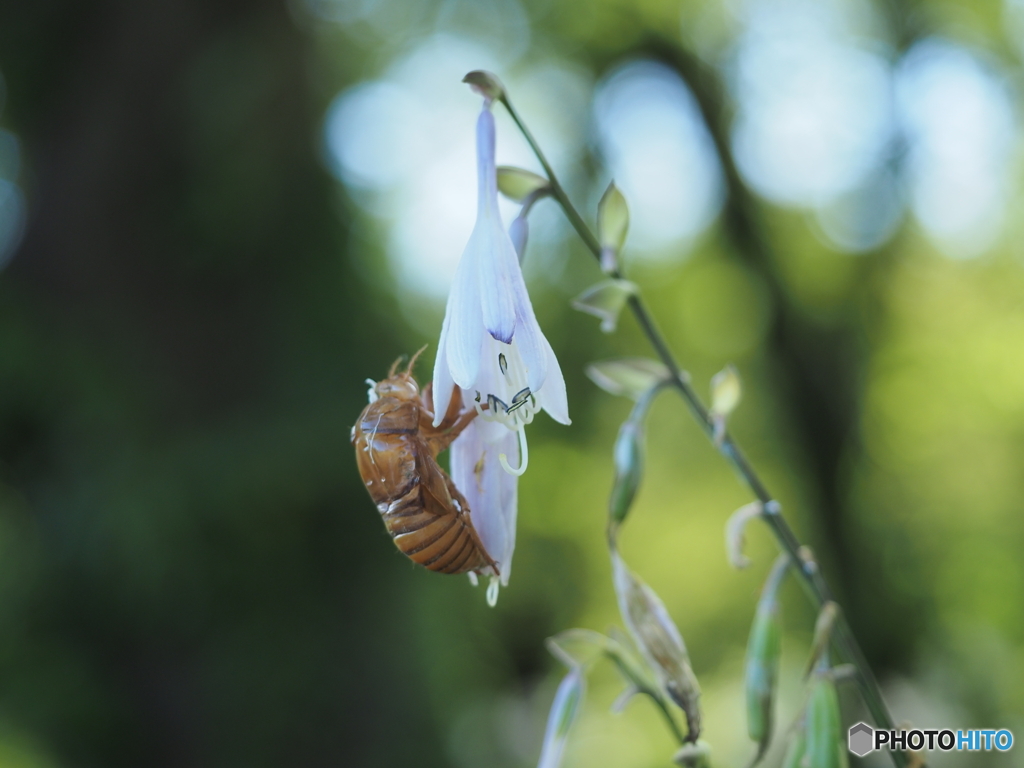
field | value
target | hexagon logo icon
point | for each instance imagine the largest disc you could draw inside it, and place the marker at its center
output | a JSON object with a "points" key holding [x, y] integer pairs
{"points": [[861, 739]]}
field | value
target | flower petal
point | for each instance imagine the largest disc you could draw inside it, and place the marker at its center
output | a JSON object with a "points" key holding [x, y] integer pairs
{"points": [[498, 260], [565, 709], [529, 337], [443, 383], [462, 320], [552, 394], [489, 489]]}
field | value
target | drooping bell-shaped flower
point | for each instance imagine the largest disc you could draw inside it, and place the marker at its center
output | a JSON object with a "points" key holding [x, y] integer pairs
{"points": [[491, 493], [491, 344], [493, 349]]}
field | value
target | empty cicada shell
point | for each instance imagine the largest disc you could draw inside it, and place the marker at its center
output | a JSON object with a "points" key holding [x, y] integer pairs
{"points": [[396, 451]]}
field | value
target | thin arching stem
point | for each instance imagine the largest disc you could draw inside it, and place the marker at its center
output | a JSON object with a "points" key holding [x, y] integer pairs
{"points": [[810, 575], [655, 696]]}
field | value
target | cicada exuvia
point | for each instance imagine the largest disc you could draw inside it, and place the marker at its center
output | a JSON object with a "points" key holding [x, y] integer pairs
{"points": [[396, 451]]}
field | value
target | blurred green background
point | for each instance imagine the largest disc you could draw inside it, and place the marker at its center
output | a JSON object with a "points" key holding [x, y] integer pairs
{"points": [[217, 218]]}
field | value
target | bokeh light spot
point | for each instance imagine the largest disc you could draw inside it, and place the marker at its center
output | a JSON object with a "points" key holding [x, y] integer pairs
{"points": [[404, 146], [959, 121], [660, 155], [815, 108]]}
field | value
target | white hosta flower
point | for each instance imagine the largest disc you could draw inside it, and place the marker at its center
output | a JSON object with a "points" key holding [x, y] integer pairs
{"points": [[492, 347], [491, 493], [491, 344]]}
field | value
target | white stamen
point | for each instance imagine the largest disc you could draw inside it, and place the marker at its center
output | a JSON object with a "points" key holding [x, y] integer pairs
{"points": [[516, 405], [492, 591], [524, 456], [472, 578]]}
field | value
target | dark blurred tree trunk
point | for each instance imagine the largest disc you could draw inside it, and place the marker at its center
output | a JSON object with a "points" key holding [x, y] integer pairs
{"points": [[820, 371], [185, 345]]}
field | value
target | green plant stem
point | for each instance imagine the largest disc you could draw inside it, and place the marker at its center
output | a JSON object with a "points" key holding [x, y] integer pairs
{"points": [[810, 575], [654, 695]]}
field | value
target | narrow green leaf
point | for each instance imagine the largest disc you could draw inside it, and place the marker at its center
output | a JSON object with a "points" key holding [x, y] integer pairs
{"points": [[762, 662], [825, 747], [628, 376], [797, 748], [605, 301], [619, 705], [564, 711], [579, 647]]}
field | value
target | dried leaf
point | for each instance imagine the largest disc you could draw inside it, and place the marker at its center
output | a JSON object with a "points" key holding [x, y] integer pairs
{"points": [[735, 528], [659, 641]]}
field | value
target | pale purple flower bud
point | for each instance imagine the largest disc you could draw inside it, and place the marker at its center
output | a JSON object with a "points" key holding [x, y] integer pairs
{"points": [[564, 711], [519, 231]]}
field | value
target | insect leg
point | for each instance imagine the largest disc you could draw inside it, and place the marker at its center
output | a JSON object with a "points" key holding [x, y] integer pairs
{"points": [[443, 436]]}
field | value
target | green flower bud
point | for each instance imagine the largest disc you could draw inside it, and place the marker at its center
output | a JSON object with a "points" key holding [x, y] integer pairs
{"points": [[485, 83], [629, 470], [518, 184], [726, 391], [629, 459], [762, 663], [612, 225], [825, 745], [762, 668]]}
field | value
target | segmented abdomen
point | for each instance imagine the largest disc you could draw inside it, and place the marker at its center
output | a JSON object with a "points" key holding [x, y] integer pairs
{"points": [[440, 542]]}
